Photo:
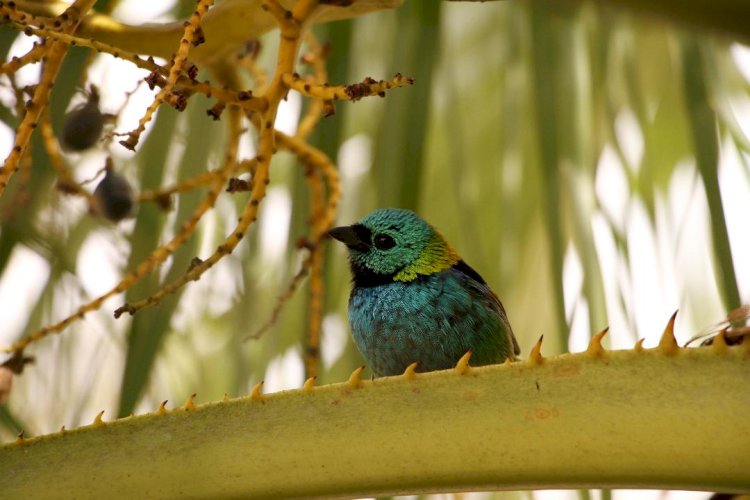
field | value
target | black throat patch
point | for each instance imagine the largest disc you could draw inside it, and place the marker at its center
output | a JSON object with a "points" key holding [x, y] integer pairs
{"points": [[363, 277]]}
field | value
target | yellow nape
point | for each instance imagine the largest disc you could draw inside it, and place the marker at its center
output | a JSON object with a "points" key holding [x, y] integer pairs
{"points": [[437, 256]]}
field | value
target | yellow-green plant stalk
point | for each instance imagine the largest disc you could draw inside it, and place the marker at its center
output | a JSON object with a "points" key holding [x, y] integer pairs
{"points": [[227, 27], [667, 417]]}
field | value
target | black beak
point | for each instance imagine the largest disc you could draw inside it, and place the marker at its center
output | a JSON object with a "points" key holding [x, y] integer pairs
{"points": [[355, 237]]}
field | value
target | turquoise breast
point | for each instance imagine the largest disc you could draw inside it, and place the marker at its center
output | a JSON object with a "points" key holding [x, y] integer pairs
{"points": [[432, 320]]}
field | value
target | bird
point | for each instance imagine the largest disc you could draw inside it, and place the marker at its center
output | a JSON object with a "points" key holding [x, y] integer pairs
{"points": [[414, 299]]}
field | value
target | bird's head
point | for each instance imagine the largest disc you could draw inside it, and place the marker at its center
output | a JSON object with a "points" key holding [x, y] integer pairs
{"points": [[392, 244]]}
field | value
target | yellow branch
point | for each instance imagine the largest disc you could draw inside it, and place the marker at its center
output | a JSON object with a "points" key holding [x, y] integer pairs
{"points": [[190, 37], [291, 26], [159, 254], [65, 180], [598, 419], [241, 98], [55, 52], [353, 92], [317, 109], [227, 27], [319, 165], [34, 55]]}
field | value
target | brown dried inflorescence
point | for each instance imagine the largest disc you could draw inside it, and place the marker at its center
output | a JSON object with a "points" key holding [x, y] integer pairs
{"points": [[175, 83]]}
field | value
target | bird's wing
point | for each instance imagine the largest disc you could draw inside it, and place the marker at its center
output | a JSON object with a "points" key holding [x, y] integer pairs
{"points": [[469, 271]]}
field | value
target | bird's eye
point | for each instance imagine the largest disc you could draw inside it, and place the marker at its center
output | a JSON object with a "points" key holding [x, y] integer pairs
{"points": [[383, 242]]}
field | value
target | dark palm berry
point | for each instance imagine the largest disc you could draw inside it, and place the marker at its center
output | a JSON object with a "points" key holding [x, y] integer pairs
{"points": [[83, 126], [113, 198]]}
